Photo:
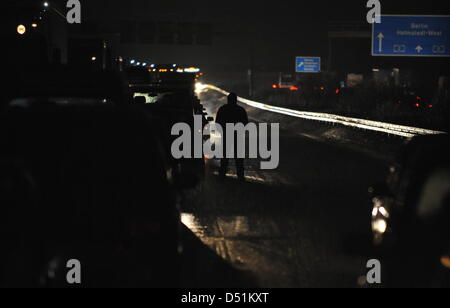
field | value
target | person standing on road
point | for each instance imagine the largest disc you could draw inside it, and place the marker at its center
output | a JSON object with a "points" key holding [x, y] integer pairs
{"points": [[231, 113]]}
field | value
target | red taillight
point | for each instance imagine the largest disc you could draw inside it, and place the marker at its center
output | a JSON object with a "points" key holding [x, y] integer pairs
{"points": [[430, 106], [417, 105], [322, 88], [293, 88], [338, 91], [274, 86]]}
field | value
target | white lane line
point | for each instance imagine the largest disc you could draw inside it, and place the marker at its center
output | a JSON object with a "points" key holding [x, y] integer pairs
{"points": [[388, 128]]}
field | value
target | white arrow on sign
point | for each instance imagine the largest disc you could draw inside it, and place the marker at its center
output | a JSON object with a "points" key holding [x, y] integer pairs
{"points": [[380, 46], [419, 49], [301, 64]]}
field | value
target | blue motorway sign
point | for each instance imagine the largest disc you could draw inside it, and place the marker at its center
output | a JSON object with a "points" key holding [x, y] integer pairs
{"points": [[307, 64], [418, 36]]}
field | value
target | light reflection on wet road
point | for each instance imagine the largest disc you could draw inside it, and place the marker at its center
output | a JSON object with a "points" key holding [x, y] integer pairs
{"points": [[287, 227]]}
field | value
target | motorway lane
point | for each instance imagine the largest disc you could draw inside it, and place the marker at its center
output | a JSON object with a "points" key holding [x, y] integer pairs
{"points": [[296, 226]]}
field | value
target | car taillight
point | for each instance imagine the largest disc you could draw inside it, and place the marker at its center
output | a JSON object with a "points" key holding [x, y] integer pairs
{"points": [[274, 86], [294, 88], [338, 91]]}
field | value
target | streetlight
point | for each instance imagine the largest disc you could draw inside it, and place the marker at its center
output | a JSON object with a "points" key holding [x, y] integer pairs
{"points": [[46, 5], [21, 29]]}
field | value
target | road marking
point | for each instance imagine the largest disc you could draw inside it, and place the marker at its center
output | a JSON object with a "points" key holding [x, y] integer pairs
{"points": [[387, 128], [380, 46]]}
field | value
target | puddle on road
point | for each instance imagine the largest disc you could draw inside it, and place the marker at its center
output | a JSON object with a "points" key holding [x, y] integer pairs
{"points": [[253, 245], [222, 227], [231, 227], [219, 234], [193, 224]]}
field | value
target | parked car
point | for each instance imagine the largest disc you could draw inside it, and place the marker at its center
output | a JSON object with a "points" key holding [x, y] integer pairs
{"points": [[171, 98], [87, 180], [411, 215]]}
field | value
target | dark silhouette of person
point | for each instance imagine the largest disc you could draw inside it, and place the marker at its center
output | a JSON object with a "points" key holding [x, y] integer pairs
{"points": [[231, 113]]}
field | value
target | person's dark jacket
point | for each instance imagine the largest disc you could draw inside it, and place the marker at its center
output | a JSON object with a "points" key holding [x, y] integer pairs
{"points": [[231, 113]]}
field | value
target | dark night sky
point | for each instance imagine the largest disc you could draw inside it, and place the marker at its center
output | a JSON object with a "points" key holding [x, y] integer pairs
{"points": [[247, 12], [253, 10], [279, 30]]}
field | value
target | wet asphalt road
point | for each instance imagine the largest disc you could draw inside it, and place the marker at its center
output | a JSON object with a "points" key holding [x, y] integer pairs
{"points": [[304, 224]]}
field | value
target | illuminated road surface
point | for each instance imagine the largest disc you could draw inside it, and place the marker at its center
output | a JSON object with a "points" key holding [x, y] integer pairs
{"points": [[297, 226]]}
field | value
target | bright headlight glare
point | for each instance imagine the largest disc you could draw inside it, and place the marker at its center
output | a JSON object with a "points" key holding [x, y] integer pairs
{"points": [[199, 87], [379, 226], [375, 211], [383, 211]]}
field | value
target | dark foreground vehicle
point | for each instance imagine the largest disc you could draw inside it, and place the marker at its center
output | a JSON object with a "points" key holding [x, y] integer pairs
{"points": [[171, 98], [84, 180], [411, 216]]}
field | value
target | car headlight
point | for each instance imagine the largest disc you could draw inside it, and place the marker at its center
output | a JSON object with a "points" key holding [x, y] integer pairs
{"points": [[379, 226], [380, 218]]}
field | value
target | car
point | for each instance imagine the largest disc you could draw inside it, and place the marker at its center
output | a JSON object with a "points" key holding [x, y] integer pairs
{"points": [[411, 215], [86, 180], [409, 101], [286, 82], [171, 98]]}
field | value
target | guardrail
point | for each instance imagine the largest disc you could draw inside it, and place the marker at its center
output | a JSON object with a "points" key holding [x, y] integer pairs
{"points": [[388, 128]]}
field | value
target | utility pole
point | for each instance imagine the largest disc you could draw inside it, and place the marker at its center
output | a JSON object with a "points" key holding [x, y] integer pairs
{"points": [[55, 10], [56, 29]]}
